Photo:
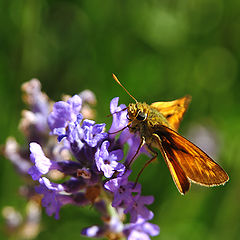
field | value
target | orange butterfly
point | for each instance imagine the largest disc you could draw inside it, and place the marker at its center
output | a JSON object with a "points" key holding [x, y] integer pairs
{"points": [[157, 126]]}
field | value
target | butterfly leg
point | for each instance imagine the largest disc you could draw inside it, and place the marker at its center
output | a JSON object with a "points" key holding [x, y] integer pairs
{"points": [[136, 153], [121, 129], [155, 154]]}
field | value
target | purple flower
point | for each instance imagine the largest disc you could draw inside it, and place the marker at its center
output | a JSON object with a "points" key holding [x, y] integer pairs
{"points": [[119, 117], [141, 230], [108, 161], [113, 226], [42, 164], [136, 208], [93, 231], [64, 112], [13, 153], [93, 133], [122, 189], [74, 132], [52, 200], [95, 151], [85, 155], [68, 167], [88, 97], [35, 98], [40, 107], [83, 139], [88, 132], [74, 185]]}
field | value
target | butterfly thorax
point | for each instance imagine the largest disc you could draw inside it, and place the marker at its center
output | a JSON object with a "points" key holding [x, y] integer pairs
{"points": [[144, 119]]}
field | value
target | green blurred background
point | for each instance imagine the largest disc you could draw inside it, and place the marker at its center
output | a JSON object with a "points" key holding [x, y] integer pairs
{"points": [[160, 50]]}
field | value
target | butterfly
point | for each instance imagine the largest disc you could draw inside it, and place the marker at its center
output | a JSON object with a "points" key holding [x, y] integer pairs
{"points": [[157, 125]]}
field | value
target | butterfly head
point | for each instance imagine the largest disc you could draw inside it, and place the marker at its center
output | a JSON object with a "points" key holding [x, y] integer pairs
{"points": [[137, 111]]}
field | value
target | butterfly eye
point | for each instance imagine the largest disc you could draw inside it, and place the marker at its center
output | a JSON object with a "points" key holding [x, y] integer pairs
{"points": [[141, 116]]}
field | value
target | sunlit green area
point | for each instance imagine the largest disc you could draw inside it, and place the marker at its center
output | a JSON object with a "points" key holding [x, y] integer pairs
{"points": [[160, 50]]}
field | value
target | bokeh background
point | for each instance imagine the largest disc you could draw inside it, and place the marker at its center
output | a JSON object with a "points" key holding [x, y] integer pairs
{"points": [[160, 50]]}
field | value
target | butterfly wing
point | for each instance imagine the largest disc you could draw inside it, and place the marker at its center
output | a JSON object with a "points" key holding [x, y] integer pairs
{"points": [[196, 164], [179, 177], [173, 111]]}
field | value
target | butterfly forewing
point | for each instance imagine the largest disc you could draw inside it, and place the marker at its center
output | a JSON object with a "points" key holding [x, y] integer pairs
{"points": [[196, 164], [179, 177], [173, 111]]}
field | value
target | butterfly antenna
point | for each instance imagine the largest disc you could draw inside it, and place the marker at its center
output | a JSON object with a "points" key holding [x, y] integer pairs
{"points": [[115, 78]]}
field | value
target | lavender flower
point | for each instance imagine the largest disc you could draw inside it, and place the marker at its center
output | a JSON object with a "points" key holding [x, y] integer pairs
{"points": [[108, 161], [119, 115], [122, 190], [40, 108], [136, 207], [42, 164], [89, 161], [93, 231], [63, 112], [141, 229], [52, 200], [87, 137], [13, 153], [112, 229], [93, 133], [120, 121]]}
